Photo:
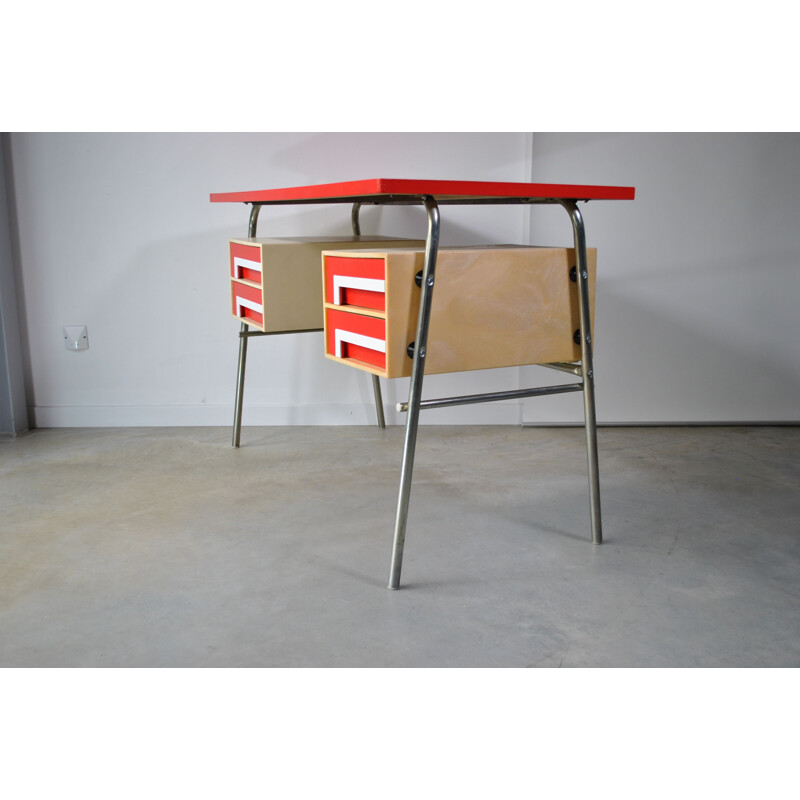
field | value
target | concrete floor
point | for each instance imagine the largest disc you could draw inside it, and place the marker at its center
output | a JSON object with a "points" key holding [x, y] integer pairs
{"points": [[166, 547]]}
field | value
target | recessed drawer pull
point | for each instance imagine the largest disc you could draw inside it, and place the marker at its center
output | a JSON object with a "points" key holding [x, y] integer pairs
{"points": [[243, 263], [349, 337], [243, 302], [349, 282]]}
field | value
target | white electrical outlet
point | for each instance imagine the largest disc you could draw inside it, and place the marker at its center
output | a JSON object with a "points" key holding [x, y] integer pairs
{"points": [[76, 337]]}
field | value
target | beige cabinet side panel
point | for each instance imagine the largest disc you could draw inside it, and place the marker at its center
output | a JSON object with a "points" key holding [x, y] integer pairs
{"points": [[292, 286], [491, 308]]}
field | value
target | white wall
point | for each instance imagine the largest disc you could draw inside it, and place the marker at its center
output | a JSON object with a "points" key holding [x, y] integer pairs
{"points": [[697, 287], [698, 278], [116, 231]]}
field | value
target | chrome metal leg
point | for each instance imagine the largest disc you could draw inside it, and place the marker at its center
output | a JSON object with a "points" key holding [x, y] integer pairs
{"points": [[587, 367], [376, 390], [237, 410], [376, 381], [415, 391], [354, 219]]}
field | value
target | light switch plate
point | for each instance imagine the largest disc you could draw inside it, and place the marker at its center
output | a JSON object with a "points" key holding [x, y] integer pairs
{"points": [[76, 337]]}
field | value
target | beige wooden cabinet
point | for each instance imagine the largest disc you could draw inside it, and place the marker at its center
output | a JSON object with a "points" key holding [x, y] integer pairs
{"points": [[498, 306], [275, 282]]}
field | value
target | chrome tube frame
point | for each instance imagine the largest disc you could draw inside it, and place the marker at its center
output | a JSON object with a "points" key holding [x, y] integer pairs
{"points": [[587, 368], [415, 404], [376, 381], [415, 390], [491, 397], [244, 331], [376, 390], [354, 219], [248, 334]]}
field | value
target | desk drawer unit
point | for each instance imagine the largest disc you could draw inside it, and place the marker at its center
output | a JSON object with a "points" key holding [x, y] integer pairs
{"points": [[275, 283], [500, 306]]}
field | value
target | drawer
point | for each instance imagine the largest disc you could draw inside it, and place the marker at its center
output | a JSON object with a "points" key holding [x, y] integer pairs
{"points": [[282, 277], [356, 338], [245, 261], [357, 282], [498, 306], [248, 303]]}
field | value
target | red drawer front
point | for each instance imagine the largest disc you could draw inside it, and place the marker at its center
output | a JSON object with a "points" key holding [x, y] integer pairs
{"points": [[355, 282], [245, 262], [356, 336], [248, 302]]}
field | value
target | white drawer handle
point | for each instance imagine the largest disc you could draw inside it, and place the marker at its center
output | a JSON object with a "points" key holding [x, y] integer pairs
{"points": [[370, 342], [243, 302], [347, 282], [242, 263]]}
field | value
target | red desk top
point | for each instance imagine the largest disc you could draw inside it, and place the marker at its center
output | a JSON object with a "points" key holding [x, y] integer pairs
{"points": [[397, 190]]}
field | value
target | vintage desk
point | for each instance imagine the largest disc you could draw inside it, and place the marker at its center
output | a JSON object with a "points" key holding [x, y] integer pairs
{"points": [[432, 194]]}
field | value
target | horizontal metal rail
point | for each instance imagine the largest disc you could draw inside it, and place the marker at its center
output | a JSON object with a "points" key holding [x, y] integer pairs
{"points": [[244, 334], [493, 396]]}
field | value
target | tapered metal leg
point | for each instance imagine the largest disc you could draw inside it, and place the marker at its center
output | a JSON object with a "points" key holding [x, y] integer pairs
{"points": [[415, 391], [237, 410], [587, 367], [376, 389]]}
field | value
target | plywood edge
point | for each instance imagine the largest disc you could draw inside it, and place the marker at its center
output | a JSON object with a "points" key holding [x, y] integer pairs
{"points": [[351, 362], [245, 282], [251, 323], [364, 312]]}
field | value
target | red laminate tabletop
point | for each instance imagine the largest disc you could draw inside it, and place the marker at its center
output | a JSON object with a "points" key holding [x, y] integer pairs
{"points": [[379, 190]]}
